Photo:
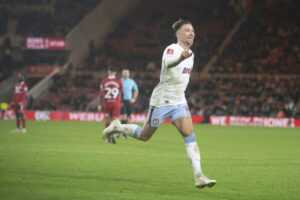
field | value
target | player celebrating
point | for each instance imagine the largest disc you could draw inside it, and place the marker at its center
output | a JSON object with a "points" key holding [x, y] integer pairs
{"points": [[129, 85], [168, 100], [111, 93], [19, 102]]}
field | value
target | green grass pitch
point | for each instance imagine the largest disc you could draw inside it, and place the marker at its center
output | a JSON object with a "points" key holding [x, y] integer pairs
{"points": [[68, 160]]}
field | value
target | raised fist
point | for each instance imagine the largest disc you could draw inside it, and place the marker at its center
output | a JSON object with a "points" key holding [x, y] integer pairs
{"points": [[186, 54]]}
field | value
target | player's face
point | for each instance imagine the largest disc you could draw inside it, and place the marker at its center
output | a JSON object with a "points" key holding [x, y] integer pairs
{"points": [[186, 34], [111, 73], [125, 73]]}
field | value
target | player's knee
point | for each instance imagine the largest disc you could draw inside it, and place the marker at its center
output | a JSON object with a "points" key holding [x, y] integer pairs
{"points": [[144, 138], [147, 132]]}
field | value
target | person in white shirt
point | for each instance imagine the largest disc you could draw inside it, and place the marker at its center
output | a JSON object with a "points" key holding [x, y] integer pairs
{"points": [[168, 100]]}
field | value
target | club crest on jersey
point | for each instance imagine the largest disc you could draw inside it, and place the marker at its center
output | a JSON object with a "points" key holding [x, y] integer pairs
{"points": [[170, 51], [187, 70], [155, 121]]}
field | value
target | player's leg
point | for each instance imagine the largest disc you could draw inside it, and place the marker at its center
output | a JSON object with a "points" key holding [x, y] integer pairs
{"points": [[147, 132], [185, 127], [108, 114], [23, 119], [17, 113], [124, 113], [115, 115], [141, 133], [128, 110], [108, 119], [124, 119], [22, 106], [107, 123], [183, 122]]}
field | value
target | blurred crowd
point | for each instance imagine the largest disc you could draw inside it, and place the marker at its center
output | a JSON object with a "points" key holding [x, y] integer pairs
{"points": [[240, 96], [246, 80], [44, 18], [141, 37], [69, 92], [267, 43], [7, 63], [245, 96], [57, 22], [36, 18], [4, 20]]}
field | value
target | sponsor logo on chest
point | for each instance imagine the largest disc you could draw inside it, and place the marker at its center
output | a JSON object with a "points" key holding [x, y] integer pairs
{"points": [[187, 70]]}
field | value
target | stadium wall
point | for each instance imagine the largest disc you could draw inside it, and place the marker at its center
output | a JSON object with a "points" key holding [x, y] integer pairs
{"points": [[140, 118]]}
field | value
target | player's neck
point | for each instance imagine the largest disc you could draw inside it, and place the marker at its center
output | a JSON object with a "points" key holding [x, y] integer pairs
{"points": [[184, 46], [112, 76]]}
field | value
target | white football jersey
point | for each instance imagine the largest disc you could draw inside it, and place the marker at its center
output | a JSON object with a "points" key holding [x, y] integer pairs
{"points": [[173, 81]]}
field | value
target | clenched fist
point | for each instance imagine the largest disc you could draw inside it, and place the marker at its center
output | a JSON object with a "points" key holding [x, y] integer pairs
{"points": [[186, 54]]}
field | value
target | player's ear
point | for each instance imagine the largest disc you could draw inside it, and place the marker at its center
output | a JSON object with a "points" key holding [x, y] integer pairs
{"points": [[177, 34]]}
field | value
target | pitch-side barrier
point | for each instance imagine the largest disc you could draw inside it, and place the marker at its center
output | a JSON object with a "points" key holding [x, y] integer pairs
{"points": [[140, 118]]}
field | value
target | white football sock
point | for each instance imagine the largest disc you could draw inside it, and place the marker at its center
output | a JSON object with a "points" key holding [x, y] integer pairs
{"points": [[132, 130], [194, 157]]}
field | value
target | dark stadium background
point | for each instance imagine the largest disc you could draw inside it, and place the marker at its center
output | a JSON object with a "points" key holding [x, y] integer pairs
{"points": [[247, 53]]}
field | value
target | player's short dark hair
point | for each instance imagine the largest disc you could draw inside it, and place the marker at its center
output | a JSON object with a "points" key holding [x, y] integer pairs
{"points": [[112, 69], [177, 25]]}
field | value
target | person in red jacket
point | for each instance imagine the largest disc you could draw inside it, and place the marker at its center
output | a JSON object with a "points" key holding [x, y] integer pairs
{"points": [[111, 97], [19, 102]]}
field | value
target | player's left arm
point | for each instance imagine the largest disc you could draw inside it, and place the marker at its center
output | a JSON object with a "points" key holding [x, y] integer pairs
{"points": [[121, 89], [135, 92]]}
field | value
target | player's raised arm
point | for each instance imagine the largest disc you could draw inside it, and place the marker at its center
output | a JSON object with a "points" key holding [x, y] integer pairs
{"points": [[172, 61]]}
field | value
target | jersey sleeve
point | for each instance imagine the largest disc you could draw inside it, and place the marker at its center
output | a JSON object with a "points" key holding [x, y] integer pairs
{"points": [[171, 55]]}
